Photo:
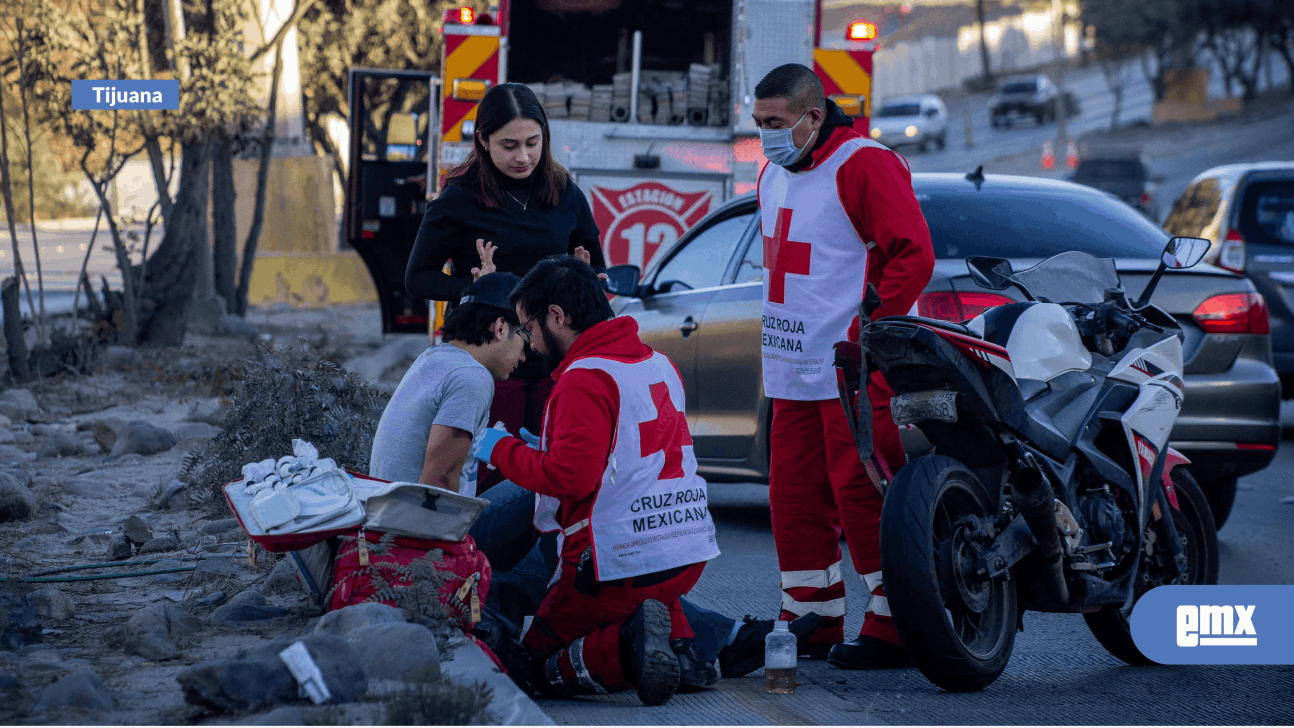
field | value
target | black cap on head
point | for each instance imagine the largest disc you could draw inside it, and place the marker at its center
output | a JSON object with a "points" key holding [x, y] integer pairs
{"points": [[491, 289]]}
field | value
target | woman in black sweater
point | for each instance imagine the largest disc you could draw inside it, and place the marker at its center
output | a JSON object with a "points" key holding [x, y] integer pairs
{"points": [[512, 199]]}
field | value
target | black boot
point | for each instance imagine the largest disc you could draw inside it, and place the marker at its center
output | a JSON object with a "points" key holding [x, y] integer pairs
{"points": [[868, 653], [693, 674], [502, 636], [645, 653], [746, 653]]}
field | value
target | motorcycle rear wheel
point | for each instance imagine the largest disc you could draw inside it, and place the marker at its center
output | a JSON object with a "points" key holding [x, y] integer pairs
{"points": [[1194, 525], [959, 628]]}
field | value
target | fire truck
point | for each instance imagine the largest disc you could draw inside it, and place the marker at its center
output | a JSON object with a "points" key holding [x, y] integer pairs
{"points": [[649, 105]]}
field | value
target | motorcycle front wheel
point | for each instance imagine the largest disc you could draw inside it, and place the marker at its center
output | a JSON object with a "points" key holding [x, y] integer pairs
{"points": [[1193, 522], [957, 625]]}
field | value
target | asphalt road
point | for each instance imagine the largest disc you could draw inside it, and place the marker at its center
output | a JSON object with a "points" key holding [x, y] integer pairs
{"points": [[61, 255], [1058, 673], [1178, 163]]}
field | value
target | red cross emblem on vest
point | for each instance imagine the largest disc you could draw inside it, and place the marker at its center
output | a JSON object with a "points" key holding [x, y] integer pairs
{"points": [[783, 256], [667, 433]]}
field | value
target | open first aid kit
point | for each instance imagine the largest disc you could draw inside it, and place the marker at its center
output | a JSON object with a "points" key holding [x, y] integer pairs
{"points": [[301, 499]]}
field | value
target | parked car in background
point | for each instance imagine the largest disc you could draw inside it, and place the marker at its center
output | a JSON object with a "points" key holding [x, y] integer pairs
{"points": [[1122, 173], [1033, 95], [911, 120], [701, 304], [1247, 210]]}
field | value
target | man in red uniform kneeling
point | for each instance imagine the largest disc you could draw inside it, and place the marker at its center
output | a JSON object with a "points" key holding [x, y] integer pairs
{"points": [[617, 477]]}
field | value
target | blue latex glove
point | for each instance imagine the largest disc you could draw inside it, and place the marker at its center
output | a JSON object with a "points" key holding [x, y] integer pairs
{"points": [[531, 438], [484, 446]]}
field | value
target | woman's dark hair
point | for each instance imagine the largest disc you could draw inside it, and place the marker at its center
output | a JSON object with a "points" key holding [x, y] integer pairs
{"points": [[501, 105], [565, 281], [473, 323]]}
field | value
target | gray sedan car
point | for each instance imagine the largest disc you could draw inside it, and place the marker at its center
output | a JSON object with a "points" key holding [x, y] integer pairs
{"points": [[701, 303]]}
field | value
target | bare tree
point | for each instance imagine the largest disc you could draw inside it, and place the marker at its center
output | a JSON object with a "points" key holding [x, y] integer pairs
{"points": [[983, 42], [231, 280], [262, 178], [19, 33], [1114, 65]]}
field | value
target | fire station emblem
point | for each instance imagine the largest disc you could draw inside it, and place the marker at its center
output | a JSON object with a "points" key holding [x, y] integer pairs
{"points": [[642, 221]]}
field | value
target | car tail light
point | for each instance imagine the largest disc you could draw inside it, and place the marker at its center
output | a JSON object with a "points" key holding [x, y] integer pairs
{"points": [[954, 306], [1234, 313], [1145, 198], [1232, 256]]}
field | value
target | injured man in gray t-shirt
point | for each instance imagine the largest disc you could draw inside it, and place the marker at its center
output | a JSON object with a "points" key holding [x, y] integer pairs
{"points": [[445, 386], [444, 399]]}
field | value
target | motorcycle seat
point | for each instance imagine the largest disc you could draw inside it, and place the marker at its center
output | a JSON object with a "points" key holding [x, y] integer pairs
{"points": [[956, 328]]}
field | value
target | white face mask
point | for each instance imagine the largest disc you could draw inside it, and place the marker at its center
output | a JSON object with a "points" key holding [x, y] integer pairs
{"points": [[779, 146]]}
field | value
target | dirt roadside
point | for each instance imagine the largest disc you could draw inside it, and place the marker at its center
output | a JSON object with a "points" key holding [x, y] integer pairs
{"points": [[82, 501]]}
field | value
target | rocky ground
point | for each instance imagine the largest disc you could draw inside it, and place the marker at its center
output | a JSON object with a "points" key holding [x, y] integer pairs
{"points": [[88, 475]]}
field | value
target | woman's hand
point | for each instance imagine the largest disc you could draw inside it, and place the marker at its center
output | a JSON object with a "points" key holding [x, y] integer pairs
{"points": [[584, 255], [486, 251]]}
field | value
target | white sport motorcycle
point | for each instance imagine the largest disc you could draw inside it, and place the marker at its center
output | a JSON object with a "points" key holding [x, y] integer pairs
{"points": [[1050, 486]]}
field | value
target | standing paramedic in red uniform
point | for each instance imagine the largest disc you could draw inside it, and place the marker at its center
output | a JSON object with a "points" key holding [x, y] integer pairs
{"points": [[617, 478], [837, 211]]}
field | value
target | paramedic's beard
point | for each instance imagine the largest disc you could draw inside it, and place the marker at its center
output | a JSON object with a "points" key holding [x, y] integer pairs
{"points": [[553, 347]]}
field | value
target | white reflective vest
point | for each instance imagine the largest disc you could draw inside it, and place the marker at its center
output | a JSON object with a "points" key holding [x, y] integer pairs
{"points": [[651, 512], [815, 273]]}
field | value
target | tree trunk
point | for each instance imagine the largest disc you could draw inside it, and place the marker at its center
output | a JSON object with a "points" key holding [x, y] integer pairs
{"points": [[6, 190], [224, 230], [1284, 50], [262, 180], [167, 288], [15, 342], [155, 163], [983, 43]]}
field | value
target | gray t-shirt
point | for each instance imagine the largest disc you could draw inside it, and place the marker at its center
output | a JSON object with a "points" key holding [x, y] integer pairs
{"points": [[445, 386]]}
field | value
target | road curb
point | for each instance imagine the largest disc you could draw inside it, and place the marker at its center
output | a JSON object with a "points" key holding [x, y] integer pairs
{"points": [[466, 664]]}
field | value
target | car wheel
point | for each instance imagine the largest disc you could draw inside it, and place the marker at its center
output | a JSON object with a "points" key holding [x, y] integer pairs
{"points": [[1040, 116], [942, 141], [923, 146], [995, 122]]}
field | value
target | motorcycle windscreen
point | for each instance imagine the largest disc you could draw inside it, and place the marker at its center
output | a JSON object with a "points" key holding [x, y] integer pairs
{"points": [[1071, 277]]}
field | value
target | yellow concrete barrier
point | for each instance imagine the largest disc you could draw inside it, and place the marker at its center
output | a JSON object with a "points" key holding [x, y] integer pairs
{"points": [[310, 280]]}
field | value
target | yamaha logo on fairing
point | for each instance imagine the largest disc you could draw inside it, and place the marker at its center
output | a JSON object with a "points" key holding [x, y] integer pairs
{"points": [[1145, 451], [1240, 625], [1212, 625]]}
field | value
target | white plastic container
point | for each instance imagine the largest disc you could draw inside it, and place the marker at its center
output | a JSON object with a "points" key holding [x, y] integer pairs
{"points": [[780, 649]]}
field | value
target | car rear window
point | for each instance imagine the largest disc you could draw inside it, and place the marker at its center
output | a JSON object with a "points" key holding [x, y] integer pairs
{"points": [[1267, 212], [900, 110], [1036, 226], [1020, 87], [1110, 169]]}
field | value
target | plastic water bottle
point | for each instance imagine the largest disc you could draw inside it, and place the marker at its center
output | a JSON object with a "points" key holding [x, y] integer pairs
{"points": [[780, 648]]}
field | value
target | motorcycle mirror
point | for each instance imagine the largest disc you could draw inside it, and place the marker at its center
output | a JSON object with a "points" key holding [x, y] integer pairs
{"points": [[991, 273], [1184, 252], [622, 280]]}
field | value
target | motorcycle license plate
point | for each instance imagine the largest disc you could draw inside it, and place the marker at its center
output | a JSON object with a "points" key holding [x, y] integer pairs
{"points": [[909, 409]]}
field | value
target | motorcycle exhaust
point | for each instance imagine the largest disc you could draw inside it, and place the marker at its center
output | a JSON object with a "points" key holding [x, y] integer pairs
{"points": [[1033, 497]]}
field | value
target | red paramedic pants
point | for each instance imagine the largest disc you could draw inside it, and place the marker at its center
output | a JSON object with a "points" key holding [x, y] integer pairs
{"points": [[818, 490], [583, 631]]}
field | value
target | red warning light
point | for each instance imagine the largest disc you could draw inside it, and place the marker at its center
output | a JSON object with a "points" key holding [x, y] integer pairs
{"points": [[466, 16], [861, 30]]}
